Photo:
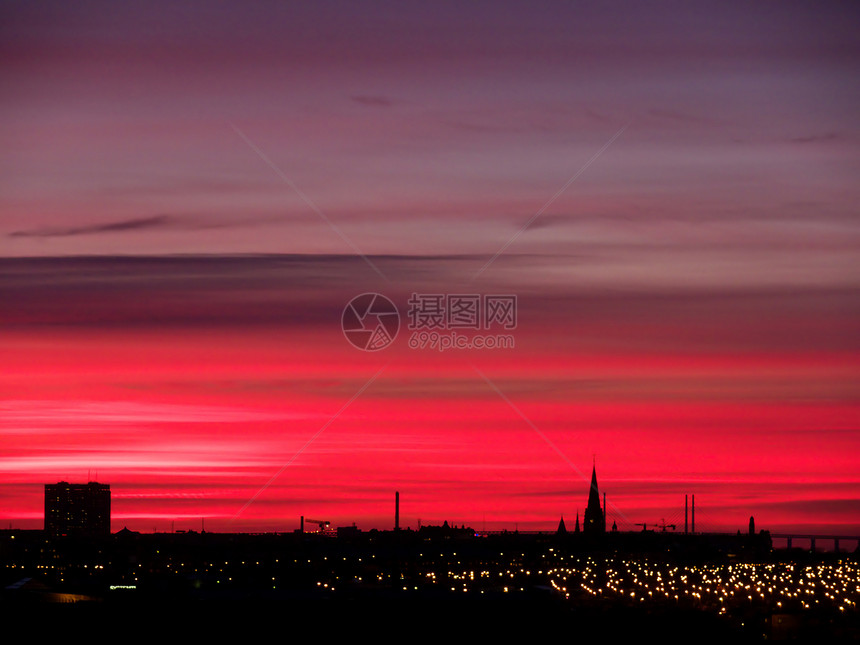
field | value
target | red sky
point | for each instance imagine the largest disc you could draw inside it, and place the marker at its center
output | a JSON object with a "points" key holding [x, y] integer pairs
{"points": [[184, 189]]}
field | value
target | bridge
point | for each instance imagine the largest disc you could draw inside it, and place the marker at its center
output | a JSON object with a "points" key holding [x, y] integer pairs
{"points": [[789, 537]]}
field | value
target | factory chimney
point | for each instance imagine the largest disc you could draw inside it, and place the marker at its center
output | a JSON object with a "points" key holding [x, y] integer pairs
{"points": [[397, 511]]}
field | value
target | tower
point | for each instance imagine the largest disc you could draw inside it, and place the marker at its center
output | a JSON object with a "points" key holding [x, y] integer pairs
{"points": [[77, 509], [595, 520]]}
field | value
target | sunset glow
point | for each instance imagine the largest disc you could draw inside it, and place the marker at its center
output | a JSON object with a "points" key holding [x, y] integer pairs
{"points": [[190, 196]]}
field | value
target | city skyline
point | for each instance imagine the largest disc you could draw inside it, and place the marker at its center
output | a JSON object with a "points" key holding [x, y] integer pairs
{"points": [[191, 195], [74, 509]]}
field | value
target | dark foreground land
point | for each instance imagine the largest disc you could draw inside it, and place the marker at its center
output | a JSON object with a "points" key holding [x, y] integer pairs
{"points": [[444, 584], [382, 615]]}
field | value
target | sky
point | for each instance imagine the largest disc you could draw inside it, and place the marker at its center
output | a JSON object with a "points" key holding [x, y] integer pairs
{"points": [[191, 193]]}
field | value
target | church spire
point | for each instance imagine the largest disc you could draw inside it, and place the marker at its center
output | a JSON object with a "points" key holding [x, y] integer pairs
{"points": [[595, 521]]}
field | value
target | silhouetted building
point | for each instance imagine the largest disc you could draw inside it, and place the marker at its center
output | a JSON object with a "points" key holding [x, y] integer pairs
{"points": [[446, 531], [348, 531], [77, 509], [562, 529], [595, 522]]}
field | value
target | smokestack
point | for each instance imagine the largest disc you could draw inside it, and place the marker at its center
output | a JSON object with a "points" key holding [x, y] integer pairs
{"points": [[604, 511], [686, 514], [693, 516], [302, 525], [397, 511]]}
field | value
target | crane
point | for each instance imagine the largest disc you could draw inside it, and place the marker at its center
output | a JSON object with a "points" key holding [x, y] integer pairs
{"points": [[323, 524], [660, 525]]}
